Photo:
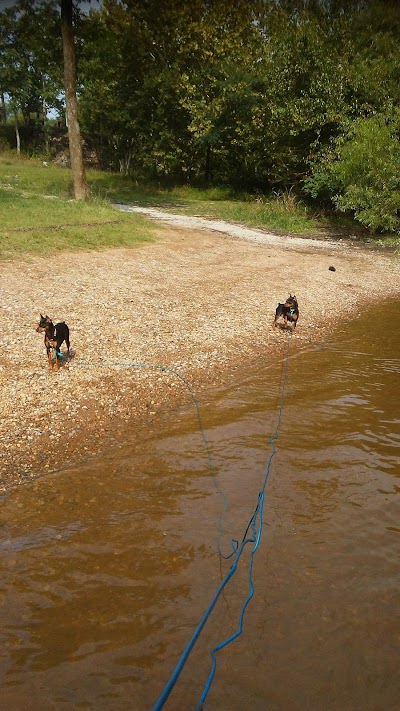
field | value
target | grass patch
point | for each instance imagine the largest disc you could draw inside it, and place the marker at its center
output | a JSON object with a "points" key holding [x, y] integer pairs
{"points": [[25, 181], [119, 188], [28, 177], [38, 216], [272, 214], [31, 224], [281, 212], [384, 242]]}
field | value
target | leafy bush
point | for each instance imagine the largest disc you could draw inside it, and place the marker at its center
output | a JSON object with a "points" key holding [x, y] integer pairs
{"points": [[362, 174]]}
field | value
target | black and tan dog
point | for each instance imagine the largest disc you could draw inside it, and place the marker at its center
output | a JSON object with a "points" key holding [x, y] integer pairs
{"points": [[289, 311], [54, 337]]}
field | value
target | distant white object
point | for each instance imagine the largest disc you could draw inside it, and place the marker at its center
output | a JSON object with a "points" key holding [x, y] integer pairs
{"points": [[45, 164]]}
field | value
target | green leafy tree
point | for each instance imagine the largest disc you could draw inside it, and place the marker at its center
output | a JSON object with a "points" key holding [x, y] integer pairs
{"points": [[217, 56], [112, 83], [156, 83], [15, 81], [362, 173], [246, 94], [370, 40], [30, 60]]}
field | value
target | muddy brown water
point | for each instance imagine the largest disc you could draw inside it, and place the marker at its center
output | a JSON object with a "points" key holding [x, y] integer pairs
{"points": [[106, 569]]}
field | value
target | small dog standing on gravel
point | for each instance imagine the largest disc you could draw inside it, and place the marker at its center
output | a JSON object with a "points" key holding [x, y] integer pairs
{"points": [[289, 311], [54, 337]]}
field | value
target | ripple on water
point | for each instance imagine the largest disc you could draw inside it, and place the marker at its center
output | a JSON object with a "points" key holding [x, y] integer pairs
{"points": [[106, 569]]}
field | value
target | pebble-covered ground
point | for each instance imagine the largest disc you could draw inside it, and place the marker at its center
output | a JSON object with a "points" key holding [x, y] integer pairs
{"points": [[196, 301]]}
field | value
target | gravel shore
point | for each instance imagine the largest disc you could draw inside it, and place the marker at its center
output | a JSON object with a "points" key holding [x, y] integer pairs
{"points": [[196, 301]]}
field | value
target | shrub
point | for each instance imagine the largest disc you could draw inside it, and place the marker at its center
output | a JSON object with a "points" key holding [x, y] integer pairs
{"points": [[362, 174]]}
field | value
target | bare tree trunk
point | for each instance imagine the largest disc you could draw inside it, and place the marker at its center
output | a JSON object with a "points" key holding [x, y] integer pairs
{"points": [[17, 136], [3, 109], [81, 189], [44, 119]]}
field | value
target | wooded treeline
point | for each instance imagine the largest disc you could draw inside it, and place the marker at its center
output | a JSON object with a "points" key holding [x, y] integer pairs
{"points": [[258, 95]]}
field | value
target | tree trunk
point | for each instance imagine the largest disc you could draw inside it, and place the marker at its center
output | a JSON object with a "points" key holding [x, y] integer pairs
{"points": [[3, 109], [17, 136], [81, 189], [44, 120]]}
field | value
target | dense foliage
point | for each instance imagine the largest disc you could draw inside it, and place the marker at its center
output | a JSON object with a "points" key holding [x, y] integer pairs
{"points": [[263, 95]]}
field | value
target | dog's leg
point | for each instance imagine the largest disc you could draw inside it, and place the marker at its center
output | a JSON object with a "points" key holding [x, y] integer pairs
{"points": [[278, 313], [48, 351], [49, 358], [57, 349]]}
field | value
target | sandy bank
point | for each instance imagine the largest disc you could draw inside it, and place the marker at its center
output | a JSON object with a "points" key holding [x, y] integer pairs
{"points": [[196, 302]]}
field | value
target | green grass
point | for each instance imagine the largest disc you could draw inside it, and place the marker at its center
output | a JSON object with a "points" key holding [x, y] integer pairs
{"points": [[280, 212], [274, 214], [33, 224], [36, 225], [29, 175], [390, 242], [39, 215]]}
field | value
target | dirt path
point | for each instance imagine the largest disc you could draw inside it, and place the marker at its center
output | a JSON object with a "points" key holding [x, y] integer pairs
{"points": [[252, 234], [196, 301]]}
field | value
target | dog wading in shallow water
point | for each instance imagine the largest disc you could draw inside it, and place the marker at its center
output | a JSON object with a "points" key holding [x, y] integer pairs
{"points": [[289, 311], [54, 336]]}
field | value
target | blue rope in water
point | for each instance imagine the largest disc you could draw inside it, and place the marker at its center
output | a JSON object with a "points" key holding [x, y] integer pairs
{"points": [[255, 525], [210, 462]]}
